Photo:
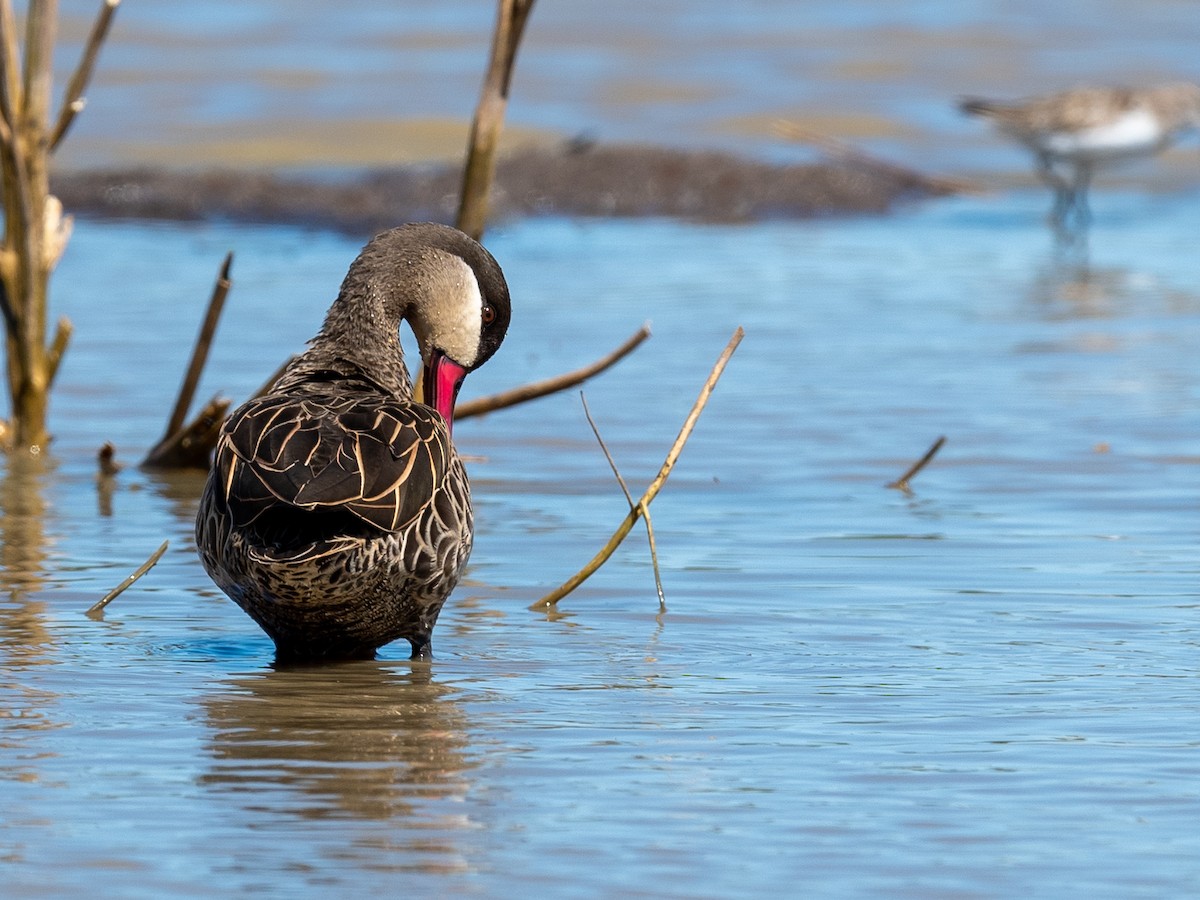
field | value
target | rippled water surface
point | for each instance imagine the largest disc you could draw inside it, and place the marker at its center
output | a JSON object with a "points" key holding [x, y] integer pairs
{"points": [[985, 688]]}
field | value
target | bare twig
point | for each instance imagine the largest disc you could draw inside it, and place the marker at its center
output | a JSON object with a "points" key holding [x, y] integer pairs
{"points": [[901, 483], [98, 607], [612, 464], [645, 508], [73, 99], [204, 339], [10, 69], [10, 316], [480, 168], [58, 347], [841, 150], [481, 405], [549, 601]]}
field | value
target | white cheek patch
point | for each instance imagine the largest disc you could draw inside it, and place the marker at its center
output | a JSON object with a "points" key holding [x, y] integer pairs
{"points": [[453, 316]]}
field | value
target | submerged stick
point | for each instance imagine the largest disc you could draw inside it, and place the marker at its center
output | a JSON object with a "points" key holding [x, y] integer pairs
{"points": [[551, 599], [537, 389], [612, 464], [901, 483], [98, 606]]}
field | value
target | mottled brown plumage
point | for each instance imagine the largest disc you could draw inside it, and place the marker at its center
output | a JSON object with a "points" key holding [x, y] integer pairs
{"points": [[337, 513]]}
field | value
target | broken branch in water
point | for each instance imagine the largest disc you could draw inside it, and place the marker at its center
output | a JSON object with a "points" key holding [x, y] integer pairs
{"points": [[662, 600], [98, 607], [643, 504], [901, 483], [537, 389], [191, 446]]}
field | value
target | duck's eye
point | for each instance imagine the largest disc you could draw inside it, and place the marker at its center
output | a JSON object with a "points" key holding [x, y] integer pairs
{"points": [[488, 315]]}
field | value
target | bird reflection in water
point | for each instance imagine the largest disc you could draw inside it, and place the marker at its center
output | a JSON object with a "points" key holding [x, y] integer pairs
{"points": [[368, 740]]}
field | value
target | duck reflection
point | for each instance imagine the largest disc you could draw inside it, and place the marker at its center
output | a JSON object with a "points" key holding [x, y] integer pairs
{"points": [[361, 738], [181, 488]]}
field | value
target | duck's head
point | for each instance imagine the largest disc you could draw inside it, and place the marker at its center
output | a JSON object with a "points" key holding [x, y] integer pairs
{"points": [[449, 289]]}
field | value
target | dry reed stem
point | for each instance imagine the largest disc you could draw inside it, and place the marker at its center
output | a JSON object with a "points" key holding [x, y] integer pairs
{"points": [[58, 346], [73, 99], [488, 121], [98, 607], [643, 504], [187, 390], [35, 230], [901, 483], [612, 464], [532, 391], [10, 67]]}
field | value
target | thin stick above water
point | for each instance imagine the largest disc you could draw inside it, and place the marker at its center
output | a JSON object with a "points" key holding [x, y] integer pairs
{"points": [[612, 464], [537, 389], [98, 606], [208, 329], [901, 483], [551, 599]]}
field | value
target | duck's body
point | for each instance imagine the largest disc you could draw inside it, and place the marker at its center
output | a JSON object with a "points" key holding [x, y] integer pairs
{"points": [[1074, 132], [337, 513]]}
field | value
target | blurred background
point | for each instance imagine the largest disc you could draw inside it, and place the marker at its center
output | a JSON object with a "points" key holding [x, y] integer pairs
{"points": [[298, 82]]}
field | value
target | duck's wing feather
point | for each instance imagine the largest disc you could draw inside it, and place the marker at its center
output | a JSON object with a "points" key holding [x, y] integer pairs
{"points": [[379, 458]]}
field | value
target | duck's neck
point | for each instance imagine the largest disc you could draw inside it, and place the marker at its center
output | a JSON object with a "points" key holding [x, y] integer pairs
{"points": [[359, 330]]}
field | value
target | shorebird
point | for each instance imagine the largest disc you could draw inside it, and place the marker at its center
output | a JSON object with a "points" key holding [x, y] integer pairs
{"points": [[1074, 132], [337, 513]]}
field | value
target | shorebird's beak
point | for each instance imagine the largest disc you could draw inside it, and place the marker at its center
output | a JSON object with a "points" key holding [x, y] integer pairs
{"points": [[443, 377]]}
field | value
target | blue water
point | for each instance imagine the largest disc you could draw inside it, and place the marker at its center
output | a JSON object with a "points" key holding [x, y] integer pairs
{"points": [[188, 85], [985, 688]]}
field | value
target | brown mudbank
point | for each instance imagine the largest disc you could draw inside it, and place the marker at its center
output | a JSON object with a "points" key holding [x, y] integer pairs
{"points": [[575, 179]]}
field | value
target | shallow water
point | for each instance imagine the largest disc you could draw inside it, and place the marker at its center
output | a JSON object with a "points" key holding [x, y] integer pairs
{"points": [[290, 81], [985, 688]]}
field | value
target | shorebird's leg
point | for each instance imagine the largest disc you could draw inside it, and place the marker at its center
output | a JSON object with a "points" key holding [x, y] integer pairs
{"points": [[1062, 194], [1083, 212]]}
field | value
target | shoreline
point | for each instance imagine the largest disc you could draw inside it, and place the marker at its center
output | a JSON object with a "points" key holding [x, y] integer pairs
{"points": [[571, 178]]}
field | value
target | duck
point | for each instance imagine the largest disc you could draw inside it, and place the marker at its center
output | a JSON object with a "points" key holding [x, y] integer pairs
{"points": [[337, 512], [1073, 132]]}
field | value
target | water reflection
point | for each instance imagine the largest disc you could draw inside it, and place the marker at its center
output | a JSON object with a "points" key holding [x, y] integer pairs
{"points": [[23, 548], [363, 739], [1070, 287], [24, 638], [181, 488]]}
